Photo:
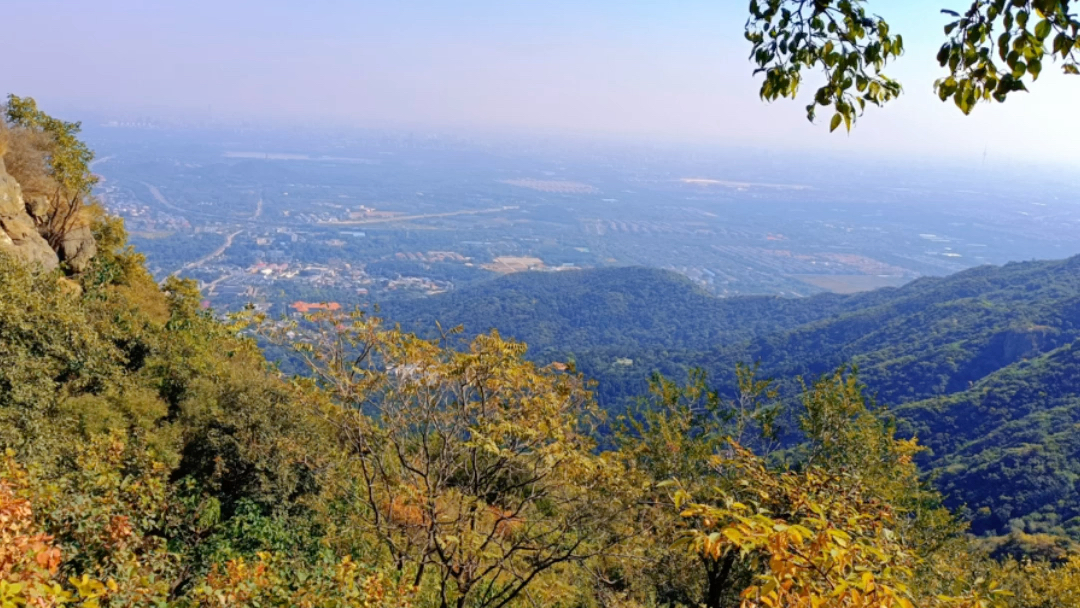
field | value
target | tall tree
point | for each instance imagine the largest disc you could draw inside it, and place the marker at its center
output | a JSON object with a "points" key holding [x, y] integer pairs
{"points": [[53, 166], [850, 525], [475, 469]]}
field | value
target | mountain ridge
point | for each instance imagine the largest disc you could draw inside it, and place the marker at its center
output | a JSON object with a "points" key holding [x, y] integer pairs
{"points": [[937, 342]]}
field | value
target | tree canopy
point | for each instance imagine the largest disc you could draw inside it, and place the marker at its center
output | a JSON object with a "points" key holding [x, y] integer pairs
{"points": [[992, 48]]}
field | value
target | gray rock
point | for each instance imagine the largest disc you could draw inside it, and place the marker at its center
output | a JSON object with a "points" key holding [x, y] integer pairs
{"points": [[11, 200], [18, 235], [77, 248], [26, 244], [38, 207]]}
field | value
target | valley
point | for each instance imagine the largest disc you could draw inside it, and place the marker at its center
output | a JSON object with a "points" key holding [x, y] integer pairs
{"points": [[612, 264], [363, 218], [980, 366]]}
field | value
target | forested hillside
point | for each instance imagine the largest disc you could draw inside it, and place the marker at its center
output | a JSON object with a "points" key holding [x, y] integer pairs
{"points": [[1009, 446], [152, 457], [935, 337], [630, 308]]}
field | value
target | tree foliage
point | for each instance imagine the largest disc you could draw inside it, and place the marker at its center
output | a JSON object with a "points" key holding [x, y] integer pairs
{"points": [[839, 38], [152, 457], [992, 49], [850, 525], [673, 435], [996, 46], [50, 160], [69, 157], [473, 466]]}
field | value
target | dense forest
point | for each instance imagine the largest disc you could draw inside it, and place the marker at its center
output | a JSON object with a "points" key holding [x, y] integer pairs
{"points": [[153, 457], [976, 365], [630, 308]]}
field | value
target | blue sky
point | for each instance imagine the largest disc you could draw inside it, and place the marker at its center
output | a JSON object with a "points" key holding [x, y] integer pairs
{"points": [[664, 70]]}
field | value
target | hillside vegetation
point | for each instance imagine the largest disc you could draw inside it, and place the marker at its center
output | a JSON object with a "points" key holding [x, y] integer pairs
{"points": [[152, 457], [1008, 447], [981, 355], [610, 308]]}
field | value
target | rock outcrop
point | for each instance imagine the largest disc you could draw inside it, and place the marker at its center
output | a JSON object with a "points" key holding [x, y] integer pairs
{"points": [[77, 248], [19, 235]]}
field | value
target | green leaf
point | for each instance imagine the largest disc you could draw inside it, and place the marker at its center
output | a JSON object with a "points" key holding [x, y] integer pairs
{"points": [[943, 54], [835, 124], [1034, 67], [1042, 30]]}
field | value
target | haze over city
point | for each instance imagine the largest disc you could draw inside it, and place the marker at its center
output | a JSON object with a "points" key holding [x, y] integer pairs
{"points": [[637, 71]]}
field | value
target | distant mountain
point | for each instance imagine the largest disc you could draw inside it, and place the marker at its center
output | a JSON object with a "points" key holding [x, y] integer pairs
{"points": [[981, 365], [934, 336]]}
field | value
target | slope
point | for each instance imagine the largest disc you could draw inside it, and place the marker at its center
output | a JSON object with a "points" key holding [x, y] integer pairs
{"points": [[980, 365], [628, 307], [1008, 448], [933, 336]]}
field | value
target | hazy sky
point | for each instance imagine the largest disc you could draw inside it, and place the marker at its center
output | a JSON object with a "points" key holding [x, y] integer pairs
{"points": [[659, 69]]}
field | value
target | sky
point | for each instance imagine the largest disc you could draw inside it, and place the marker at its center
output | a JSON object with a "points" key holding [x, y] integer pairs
{"points": [[664, 70]]}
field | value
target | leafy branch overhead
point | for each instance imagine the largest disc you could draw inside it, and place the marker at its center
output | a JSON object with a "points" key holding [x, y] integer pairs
{"points": [[984, 65], [839, 38], [992, 49]]}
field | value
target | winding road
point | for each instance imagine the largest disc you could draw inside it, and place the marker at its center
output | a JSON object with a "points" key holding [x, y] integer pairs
{"points": [[206, 258]]}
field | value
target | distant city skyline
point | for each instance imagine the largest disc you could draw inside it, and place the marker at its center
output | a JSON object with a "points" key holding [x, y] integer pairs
{"points": [[649, 70]]}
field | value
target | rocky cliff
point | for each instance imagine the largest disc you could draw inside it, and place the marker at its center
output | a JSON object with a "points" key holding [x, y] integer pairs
{"points": [[25, 224], [18, 232]]}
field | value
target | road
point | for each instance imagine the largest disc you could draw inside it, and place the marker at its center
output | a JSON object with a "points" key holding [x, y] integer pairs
{"points": [[159, 197], [164, 202], [208, 288], [213, 254]]}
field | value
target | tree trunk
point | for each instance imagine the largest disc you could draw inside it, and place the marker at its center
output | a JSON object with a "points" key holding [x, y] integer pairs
{"points": [[719, 575]]}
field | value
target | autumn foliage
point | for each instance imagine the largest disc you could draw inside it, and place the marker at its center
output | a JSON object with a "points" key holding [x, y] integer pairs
{"points": [[152, 457], [29, 558]]}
